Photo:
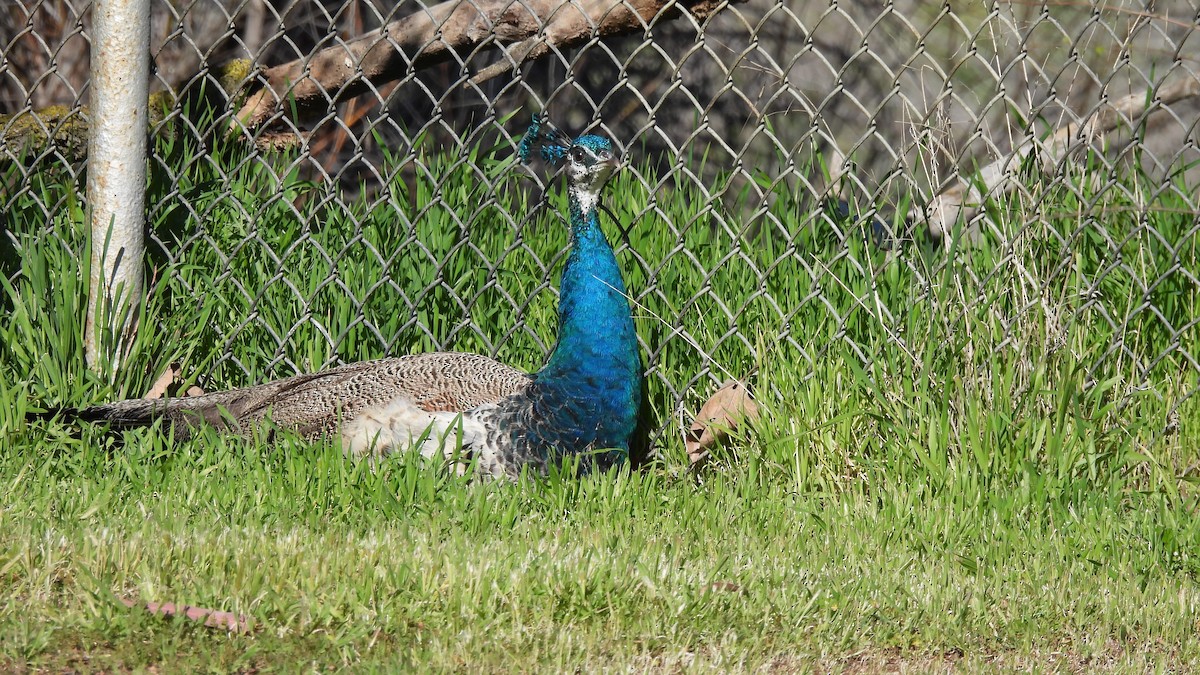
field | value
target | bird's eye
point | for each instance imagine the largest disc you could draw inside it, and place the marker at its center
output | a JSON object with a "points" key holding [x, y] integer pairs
{"points": [[577, 154]]}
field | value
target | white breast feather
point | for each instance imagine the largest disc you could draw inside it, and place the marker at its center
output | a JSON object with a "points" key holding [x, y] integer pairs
{"points": [[400, 426]]}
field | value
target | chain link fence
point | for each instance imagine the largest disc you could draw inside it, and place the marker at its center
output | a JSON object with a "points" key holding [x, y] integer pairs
{"points": [[890, 107]]}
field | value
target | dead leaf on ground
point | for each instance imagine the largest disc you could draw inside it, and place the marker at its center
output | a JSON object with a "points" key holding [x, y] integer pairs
{"points": [[164, 382], [731, 406]]}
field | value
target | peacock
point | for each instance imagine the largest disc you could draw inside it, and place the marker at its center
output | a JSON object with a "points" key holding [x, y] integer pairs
{"points": [[584, 402]]}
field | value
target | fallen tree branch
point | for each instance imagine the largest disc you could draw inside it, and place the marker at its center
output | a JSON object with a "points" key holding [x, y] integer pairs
{"points": [[1000, 177], [437, 34], [28, 134], [65, 129]]}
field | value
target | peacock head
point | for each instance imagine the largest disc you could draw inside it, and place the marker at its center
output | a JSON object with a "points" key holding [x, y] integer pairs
{"points": [[589, 160]]}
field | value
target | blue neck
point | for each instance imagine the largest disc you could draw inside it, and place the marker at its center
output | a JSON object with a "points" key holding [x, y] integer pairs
{"points": [[595, 364]]}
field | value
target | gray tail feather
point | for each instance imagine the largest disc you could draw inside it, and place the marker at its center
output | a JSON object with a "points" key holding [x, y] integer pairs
{"points": [[221, 409], [132, 413]]}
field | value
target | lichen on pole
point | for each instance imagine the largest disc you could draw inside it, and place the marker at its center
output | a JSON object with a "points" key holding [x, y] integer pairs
{"points": [[116, 170]]}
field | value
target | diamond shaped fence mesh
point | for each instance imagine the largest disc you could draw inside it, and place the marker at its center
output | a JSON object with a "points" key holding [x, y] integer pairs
{"points": [[830, 177]]}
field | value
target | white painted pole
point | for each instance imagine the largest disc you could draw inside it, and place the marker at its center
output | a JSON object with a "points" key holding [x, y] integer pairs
{"points": [[116, 170]]}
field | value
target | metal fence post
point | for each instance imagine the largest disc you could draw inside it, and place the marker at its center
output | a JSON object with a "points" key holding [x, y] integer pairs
{"points": [[116, 182]]}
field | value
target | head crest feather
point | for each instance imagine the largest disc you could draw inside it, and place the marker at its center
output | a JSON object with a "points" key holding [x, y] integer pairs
{"points": [[546, 140]]}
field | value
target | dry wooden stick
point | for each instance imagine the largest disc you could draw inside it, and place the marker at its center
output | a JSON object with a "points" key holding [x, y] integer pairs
{"points": [[999, 177]]}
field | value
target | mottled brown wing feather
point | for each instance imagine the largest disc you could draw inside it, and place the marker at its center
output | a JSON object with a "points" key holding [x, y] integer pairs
{"points": [[314, 404], [441, 381]]}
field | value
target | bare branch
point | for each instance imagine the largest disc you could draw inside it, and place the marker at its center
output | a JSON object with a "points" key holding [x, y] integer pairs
{"points": [[526, 50], [434, 35], [999, 177]]}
